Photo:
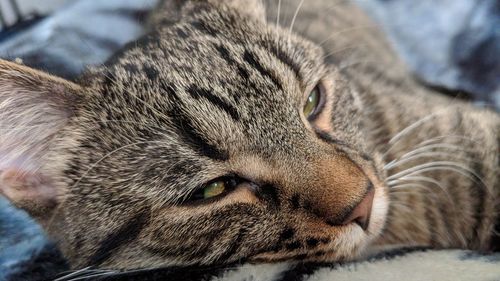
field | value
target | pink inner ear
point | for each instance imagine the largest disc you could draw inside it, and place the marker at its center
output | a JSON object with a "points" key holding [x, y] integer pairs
{"points": [[26, 187]]}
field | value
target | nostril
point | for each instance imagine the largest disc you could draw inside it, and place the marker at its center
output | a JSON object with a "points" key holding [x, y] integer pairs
{"points": [[361, 213]]}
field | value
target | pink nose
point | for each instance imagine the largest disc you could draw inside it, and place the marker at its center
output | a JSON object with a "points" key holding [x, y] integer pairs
{"points": [[361, 213]]}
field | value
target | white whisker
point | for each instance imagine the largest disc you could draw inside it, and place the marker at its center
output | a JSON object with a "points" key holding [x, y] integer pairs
{"points": [[417, 178], [424, 166], [294, 18], [404, 188], [102, 274], [278, 14], [82, 122], [82, 273], [443, 154], [72, 274], [420, 178], [345, 48], [339, 32], [106, 156], [396, 138], [345, 65], [441, 165], [452, 137]]}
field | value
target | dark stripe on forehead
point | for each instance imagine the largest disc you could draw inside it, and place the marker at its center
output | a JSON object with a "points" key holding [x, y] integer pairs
{"points": [[253, 61], [187, 131], [190, 135], [286, 59], [125, 234], [200, 93], [224, 53]]}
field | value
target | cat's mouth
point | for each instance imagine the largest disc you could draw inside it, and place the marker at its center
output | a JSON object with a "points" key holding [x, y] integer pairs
{"points": [[344, 247]]}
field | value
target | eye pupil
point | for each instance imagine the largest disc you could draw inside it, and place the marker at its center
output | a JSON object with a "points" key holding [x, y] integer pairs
{"points": [[312, 102], [213, 189]]}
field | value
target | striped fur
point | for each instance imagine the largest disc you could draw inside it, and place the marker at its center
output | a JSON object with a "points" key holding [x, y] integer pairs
{"points": [[215, 89]]}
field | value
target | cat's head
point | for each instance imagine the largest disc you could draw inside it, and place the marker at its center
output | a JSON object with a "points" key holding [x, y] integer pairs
{"points": [[216, 138]]}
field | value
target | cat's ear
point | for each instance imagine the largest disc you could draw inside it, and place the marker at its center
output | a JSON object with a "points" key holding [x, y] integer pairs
{"points": [[34, 107]]}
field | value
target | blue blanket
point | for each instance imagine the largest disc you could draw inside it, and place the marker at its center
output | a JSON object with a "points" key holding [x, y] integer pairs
{"points": [[25, 252], [451, 44]]}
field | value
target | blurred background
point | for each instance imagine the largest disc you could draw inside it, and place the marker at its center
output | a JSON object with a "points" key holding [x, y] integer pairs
{"points": [[64, 37], [11, 9]]}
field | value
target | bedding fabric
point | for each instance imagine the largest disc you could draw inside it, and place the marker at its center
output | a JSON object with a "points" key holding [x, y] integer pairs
{"points": [[461, 54], [450, 44], [403, 264]]}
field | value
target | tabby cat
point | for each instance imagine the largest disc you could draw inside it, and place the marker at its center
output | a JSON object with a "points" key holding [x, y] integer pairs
{"points": [[224, 136]]}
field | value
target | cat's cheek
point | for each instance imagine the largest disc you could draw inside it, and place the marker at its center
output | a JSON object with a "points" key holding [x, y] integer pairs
{"points": [[380, 208]]}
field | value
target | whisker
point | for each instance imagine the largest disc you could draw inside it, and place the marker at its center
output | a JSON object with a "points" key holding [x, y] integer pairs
{"points": [[16, 128], [403, 160], [402, 187], [407, 188], [423, 166], [86, 277], [294, 18], [396, 138], [410, 128], [109, 154], [442, 165], [428, 180], [344, 65], [72, 274], [453, 137], [339, 50], [417, 178], [84, 272], [426, 143], [337, 33], [278, 13]]}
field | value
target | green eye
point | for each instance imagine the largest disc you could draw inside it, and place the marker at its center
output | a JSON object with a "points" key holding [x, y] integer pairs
{"points": [[312, 102], [213, 189]]}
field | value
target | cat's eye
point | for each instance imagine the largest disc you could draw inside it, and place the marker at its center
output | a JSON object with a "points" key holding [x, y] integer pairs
{"points": [[313, 103], [215, 188]]}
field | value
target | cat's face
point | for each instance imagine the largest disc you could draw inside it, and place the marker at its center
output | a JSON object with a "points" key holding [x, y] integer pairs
{"points": [[215, 139]]}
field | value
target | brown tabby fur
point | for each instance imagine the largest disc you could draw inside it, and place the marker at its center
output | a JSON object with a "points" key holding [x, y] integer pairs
{"points": [[213, 90]]}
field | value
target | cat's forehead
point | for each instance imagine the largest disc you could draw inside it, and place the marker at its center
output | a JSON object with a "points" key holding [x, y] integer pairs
{"points": [[219, 68], [214, 87], [220, 47]]}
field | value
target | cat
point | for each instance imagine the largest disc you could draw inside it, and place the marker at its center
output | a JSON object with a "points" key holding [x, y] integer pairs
{"points": [[222, 137]]}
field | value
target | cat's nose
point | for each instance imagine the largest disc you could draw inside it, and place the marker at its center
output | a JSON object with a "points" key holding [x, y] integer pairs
{"points": [[341, 193], [361, 213]]}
